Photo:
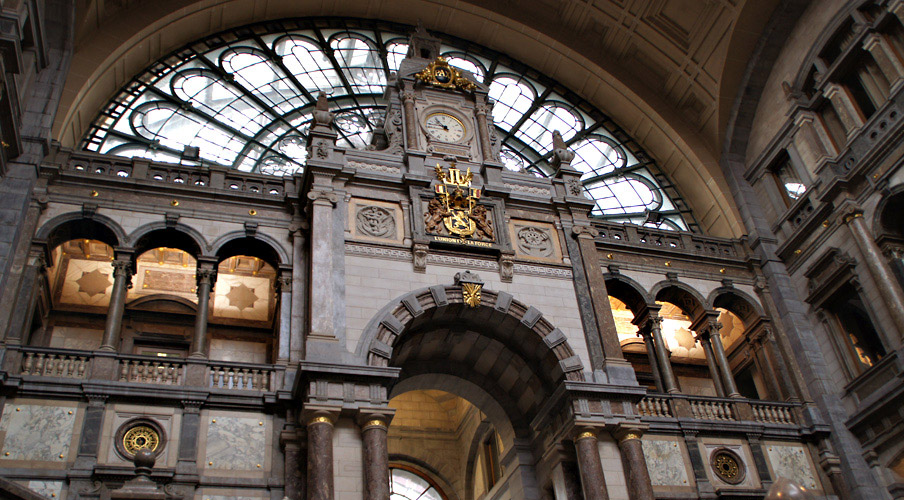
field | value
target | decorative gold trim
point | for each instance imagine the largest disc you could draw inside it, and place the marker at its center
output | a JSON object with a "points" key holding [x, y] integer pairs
{"points": [[470, 293], [440, 73], [456, 206], [375, 423], [320, 420], [852, 216], [630, 435], [585, 435]]}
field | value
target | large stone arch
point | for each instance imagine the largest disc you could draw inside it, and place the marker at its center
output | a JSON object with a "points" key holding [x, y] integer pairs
{"points": [[628, 291], [739, 303], [259, 245], [498, 315], [173, 235], [76, 225], [682, 295]]}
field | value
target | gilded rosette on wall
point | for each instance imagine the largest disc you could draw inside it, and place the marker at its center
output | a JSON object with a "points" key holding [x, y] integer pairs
{"points": [[440, 73], [456, 208]]}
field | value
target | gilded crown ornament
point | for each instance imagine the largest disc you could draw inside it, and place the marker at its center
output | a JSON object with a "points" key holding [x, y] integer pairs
{"points": [[440, 73]]}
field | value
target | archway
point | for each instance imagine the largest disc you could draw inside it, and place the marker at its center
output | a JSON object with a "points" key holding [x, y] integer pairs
{"points": [[501, 360]]}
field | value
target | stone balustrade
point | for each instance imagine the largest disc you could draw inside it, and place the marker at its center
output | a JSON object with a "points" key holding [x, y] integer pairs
{"points": [[773, 413], [711, 409], [682, 406], [55, 363], [240, 377], [652, 406], [151, 371]]}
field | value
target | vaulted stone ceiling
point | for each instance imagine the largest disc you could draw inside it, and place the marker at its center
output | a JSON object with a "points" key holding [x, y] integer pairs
{"points": [[666, 70]]}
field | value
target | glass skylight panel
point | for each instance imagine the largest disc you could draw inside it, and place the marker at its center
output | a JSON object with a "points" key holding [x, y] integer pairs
{"points": [[513, 98], [249, 107], [310, 66], [537, 130]]}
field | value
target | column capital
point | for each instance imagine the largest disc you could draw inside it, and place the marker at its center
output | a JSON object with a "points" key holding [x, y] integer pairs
{"points": [[627, 431], [317, 414], [586, 432], [369, 418]]}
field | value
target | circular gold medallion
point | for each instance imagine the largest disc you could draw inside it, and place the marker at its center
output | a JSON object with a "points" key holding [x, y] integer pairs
{"points": [[139, 437], [728, 466]]}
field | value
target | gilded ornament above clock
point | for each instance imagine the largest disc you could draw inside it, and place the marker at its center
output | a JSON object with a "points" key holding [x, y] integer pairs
{"points": [[440, 73]]}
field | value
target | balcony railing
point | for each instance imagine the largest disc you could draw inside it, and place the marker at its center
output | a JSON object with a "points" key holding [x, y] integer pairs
{"points": [[718, 409], [75, 364]]}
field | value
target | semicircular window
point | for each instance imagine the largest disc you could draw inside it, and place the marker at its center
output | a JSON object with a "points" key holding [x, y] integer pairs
{"points": [[245, 98], [404, 484]]}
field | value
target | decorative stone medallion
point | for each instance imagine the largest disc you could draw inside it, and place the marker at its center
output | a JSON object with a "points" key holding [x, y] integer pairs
{"points": [[137, 434], [374, 221], [728, 466], [534, 241]]}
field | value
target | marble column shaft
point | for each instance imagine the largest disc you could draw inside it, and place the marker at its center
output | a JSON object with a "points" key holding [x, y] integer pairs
{"points": [[285, 316], [665, 366], [593, 482], [206, 277], [376, 460], [113, 327], [637, 475], [410, 119], [765, 367], [320, 459], [483, 130], [711, 363], [722, 361], [875, 262], [654, 364]]}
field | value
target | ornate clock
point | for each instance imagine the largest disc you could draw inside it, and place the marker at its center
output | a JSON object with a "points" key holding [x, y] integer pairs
{"points": [[445, 127]]}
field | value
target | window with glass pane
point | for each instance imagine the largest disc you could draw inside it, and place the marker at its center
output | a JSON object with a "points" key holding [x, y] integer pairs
{"points": [[246, 99], [789, 183], [405, 484]]}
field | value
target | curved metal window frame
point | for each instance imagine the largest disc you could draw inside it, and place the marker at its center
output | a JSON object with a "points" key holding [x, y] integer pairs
{"points": [[287, 108]]}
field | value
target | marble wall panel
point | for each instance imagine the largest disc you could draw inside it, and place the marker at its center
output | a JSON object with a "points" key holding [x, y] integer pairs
{"points": [[792, 461], [218, 494], [37, 432], [48, 489], [235, 442], [666, 462]]}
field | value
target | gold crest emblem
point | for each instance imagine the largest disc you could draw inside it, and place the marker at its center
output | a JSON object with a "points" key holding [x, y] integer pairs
{"points": [[440, 73]]}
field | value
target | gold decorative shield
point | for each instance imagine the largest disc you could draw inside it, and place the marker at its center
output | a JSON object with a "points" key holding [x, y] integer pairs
{"points": [[470, 293]]}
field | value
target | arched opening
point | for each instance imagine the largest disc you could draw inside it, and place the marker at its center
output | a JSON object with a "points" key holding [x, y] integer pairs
{"points": [[476, 377]]}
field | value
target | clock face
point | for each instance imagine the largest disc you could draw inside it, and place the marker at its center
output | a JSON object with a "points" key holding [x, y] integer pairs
{"points": [[444, 127]]}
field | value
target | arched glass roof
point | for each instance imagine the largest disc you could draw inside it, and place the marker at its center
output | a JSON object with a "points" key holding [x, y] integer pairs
{"points": [[245, 98]]}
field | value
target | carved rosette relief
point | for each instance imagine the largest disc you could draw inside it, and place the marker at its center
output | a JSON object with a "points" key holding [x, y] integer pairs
{"points": [[375, 221], [534, 242]]}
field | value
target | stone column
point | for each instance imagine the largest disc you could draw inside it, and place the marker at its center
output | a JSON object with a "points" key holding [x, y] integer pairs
{"points": [[593, 481], [640, 487], [320, 455], [92, 427], [410, 119], [22, 304], [651, 355], [122, 278], [206, 276], [727, 377], [886, 58], [299, 322], [653, 322], [703, 338], [374, 428], [875, 262], [284, 288], [848, 113], [321, 266], [758, 346], [483, 129]]}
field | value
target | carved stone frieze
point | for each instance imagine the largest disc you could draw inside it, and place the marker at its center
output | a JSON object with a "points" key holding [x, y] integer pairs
{"points": [[534, 241]]}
